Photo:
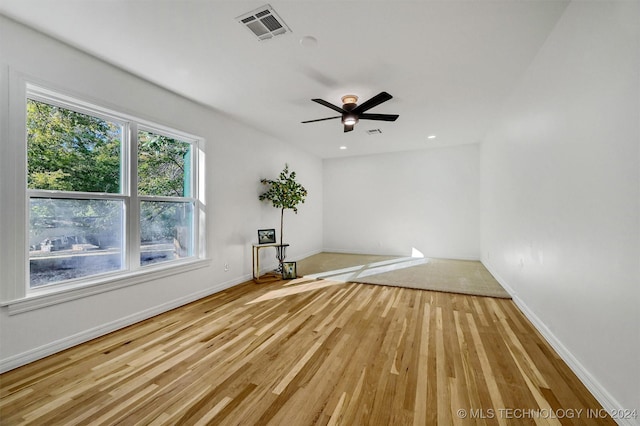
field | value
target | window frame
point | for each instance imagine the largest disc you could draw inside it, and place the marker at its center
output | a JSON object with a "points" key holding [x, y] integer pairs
{"points": [[193, 183], [15, 290]]}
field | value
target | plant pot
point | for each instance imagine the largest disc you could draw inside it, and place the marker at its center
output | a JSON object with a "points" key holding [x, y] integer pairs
{"points": [[281, 254]]}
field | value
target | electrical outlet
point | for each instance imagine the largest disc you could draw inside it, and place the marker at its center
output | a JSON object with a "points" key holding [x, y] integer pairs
{"points": [[226, 267]]}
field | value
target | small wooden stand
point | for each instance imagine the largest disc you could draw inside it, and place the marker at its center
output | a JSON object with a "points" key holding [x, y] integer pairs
{"points": [[255, 258]]}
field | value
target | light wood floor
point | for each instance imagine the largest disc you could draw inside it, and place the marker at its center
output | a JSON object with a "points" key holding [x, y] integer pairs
{"points": [[303, 354]]}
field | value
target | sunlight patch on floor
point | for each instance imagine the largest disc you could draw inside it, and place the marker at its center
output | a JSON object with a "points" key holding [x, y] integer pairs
{"points": [[299, 285], [359, 271], [340, 276]]}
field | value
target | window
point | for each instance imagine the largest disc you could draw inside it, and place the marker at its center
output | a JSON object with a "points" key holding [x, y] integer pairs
{"points": [[164, 190], [108, 194]]}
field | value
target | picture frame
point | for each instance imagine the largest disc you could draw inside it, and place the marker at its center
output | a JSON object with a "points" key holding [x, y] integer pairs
{"points": [[266, 236], [289, 270]]}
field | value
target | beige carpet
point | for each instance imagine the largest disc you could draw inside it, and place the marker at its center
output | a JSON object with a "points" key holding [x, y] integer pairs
{"points": [[452, 276]]}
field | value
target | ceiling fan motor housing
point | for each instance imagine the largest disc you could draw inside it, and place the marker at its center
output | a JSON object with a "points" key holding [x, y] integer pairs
{"points": [[349, 104], [348, 107]]}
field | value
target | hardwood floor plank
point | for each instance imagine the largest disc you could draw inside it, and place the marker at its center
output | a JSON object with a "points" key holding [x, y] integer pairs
{"points": [[489, 375], [307, 353], [420, 404]]}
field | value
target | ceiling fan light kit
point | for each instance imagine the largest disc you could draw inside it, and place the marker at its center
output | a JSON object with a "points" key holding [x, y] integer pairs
{"points": [[349, 120], [351, 112]]}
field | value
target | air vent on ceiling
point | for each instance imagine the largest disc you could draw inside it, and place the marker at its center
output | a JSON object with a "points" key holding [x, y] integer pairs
{"points": [[264, 23], [373, 131]]}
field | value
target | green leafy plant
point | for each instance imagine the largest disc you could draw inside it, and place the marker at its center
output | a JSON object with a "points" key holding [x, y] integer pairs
{"points": [[75, 152], [284, 193]]}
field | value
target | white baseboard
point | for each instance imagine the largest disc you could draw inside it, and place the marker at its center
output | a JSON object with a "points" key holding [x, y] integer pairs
{"points": [[272, 265], [35, 354], [305, 255], [608, 402], [365, 253], [387, 253]]}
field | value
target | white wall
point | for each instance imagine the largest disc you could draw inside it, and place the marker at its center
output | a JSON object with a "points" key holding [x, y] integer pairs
{"points": [[236, 158], [558, 206], [560, 196], [391, 203]]}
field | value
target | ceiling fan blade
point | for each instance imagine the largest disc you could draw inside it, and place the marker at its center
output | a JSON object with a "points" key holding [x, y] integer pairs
{"points": [[376, 100], [381, 117], [321, 119], [328, 105], [348, 128]]}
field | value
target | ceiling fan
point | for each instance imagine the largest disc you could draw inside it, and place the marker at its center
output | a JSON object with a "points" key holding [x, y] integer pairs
{"points": [[351, 113]]}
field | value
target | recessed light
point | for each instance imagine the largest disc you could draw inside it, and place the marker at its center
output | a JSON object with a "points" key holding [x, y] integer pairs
{"points": [[343, 147], [431, 137], [309, 41]]}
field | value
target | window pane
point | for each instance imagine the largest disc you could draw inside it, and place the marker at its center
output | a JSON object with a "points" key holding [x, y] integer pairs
{"points": [[166, 231], [69, 151], [164, 167], [74, 238]]}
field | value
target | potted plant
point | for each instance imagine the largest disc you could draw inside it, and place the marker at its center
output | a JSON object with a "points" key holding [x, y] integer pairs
{"points": [[284, 193]]}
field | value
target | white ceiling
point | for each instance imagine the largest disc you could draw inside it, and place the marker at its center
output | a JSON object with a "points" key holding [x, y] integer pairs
{"points": [[449, 64]]}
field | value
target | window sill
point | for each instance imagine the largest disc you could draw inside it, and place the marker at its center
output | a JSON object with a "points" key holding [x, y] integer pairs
{"points": [[53, 296]]}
